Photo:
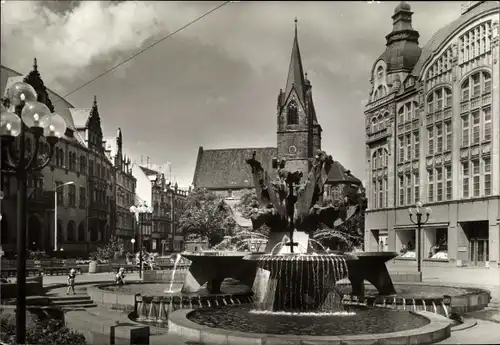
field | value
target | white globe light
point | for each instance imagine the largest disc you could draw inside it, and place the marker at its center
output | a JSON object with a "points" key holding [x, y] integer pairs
{"points": [[54, 126], [33, 112], [21, 92], [10, 124]]}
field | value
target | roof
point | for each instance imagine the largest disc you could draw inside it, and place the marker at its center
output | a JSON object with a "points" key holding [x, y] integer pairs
{"points": [[227, 168], [222, 169], [295, 78], [149, 172], [442, 35]]}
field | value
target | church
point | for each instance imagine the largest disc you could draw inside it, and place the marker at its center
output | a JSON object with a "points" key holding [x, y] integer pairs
{"points": [[225, 171]]}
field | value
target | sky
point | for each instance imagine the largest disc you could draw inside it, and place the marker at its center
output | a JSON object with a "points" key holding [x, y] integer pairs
{"points": [[215, 83]]}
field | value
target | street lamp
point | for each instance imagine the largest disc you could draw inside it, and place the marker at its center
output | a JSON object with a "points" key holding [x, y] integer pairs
{"points": [[133, 244], [142, 215], [21, 114], [55, 211], [418, 212]]}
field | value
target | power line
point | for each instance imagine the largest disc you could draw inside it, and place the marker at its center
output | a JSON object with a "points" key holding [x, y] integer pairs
{"points": [[148, 47]]}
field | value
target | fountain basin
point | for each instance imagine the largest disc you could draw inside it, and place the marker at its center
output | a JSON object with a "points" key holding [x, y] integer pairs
{"points": [[236, 325], [212, 268]]}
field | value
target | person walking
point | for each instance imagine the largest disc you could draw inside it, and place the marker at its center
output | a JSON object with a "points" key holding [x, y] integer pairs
{"points": [[71, 281], [120, 277]]}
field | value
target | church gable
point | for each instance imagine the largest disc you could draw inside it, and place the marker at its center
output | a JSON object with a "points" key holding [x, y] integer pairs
{"points": [[94, 128], [293, 113]]}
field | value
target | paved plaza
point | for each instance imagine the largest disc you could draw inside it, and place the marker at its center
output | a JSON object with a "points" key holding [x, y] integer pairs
{"points": [[485, 332]]}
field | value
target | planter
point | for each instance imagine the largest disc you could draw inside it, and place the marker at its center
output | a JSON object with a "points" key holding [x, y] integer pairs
{"points": [[93, 267]]}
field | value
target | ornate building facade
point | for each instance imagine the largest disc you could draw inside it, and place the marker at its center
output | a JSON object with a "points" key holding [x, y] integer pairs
{"points": [[81, 175], [168, 203], [124, 191], [433, 135]]}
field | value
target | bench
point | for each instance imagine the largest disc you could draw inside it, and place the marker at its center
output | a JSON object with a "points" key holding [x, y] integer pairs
{"points": [[58, 266], [9, 268]]}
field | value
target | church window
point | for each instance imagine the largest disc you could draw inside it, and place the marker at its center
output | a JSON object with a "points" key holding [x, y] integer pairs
{"points": [[380, 72], [292, 114]]}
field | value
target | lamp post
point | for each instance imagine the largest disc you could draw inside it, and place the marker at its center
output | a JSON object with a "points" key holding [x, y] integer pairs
{"points": [[23, 114], [418, 212], [142, 214], [133, 244], [55, 211]]}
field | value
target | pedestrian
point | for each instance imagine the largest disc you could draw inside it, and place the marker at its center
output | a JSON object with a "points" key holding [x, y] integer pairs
{"points": [[120, 277], [71, 281]]}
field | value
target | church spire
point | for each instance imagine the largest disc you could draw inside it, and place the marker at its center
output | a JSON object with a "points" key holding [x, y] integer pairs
{"points": [[295, 71]]}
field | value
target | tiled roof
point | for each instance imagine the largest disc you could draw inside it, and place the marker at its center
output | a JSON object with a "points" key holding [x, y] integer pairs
{"points": [[441, 36], [228, 169], [339, 174], [149, 172]]}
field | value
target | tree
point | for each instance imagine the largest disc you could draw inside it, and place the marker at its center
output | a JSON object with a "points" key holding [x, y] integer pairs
{"points": [[107, 252], [249, 205], [206, 215]]}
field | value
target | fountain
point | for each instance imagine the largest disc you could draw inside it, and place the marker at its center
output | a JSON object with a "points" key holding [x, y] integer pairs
{"points": [[295, 287]]}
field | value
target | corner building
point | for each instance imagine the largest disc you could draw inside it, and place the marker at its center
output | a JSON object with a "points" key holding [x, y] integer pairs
{"points": [[433, 135]]}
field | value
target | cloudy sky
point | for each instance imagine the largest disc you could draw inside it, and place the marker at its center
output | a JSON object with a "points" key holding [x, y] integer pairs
{"points": [[215, 83]]}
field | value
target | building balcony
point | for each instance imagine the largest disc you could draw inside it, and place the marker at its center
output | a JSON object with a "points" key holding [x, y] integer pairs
{"points": [[378, 135]]}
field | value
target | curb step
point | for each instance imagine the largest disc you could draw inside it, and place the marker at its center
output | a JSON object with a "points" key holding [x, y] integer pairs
{"points": [[69, 298], [77, 306]]}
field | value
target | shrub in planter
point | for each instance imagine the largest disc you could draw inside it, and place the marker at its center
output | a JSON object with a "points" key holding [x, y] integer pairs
{"points": [[41, 332]]}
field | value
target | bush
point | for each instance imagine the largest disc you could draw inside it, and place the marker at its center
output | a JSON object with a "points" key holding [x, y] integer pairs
{"points": [[40, 332], [105, 253]]}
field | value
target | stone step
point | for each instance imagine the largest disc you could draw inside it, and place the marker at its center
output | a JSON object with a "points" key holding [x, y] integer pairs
{"points": [[64, 303], [78, 306], [69, 298]]}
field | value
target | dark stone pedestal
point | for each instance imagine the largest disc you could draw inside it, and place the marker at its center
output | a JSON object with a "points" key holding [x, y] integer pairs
{"points": [[213, 269], [370, 266], [129, 334]]}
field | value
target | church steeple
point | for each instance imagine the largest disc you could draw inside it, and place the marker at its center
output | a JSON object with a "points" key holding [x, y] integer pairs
{"points": [[295, 78], [34, 79]]}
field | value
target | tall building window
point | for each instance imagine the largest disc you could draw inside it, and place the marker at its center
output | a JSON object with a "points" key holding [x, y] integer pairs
{"points": [[416, 145], [476, 177], [449, 136], [401, 115], [430, 103], [439, 184], [292, 114], [71, 195], [416, 183], [487, 123], [401, 191], [465, 130], [380, 160], [401, 145], [408, 147], [82, 198], [475, 85], [430, 174], [487, 175], [60, 193], [430, 136], [465, 179], [408, 189], [476, 122], [439, 138], [449, 185]]}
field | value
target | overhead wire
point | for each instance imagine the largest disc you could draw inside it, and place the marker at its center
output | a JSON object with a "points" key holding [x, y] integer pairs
{"points": [[147, 48]]}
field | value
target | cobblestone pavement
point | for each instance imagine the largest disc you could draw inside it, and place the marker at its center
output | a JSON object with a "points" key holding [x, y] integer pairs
{"points": [[486, 331]]}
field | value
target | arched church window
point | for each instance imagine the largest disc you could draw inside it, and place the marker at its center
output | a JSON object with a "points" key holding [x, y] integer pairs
{"points": [[292, 114], [380, 72]]}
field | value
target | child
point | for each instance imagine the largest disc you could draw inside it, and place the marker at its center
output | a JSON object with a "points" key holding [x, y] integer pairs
{"points": [[120, 277], [71, 281]]}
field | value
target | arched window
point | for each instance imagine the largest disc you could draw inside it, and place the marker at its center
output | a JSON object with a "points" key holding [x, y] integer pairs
{"points": [[380, 72], [439, 99], [475, 85], [81, 232], [292, 114], [380, 121], [380, 160], [381, 91], [401, 114], [374, 124], [71, 231]]}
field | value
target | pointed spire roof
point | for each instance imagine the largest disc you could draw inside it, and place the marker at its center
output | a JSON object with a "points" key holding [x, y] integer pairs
{"points": [[295, 71], [34, 79]]}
